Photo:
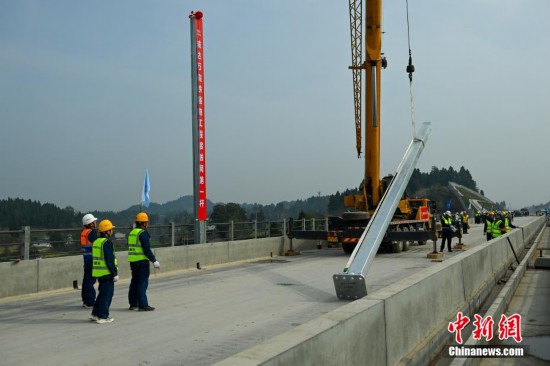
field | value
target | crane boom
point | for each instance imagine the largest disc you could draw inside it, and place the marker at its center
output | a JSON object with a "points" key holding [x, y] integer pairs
{"points": [[356, 36], [371, 188]]}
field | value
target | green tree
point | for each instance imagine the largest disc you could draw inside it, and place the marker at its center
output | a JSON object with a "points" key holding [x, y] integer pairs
{"points": [[228, 212]]}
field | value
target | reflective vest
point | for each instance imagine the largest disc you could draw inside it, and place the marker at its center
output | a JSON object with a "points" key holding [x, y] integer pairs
{"points": [[507, 224], [135, 250], [465, 218], [496, 229], [86, 244], [489, 227], [447, 221], [99, 268]]}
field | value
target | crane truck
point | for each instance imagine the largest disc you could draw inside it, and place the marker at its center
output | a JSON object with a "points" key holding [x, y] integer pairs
{"points": [[412, 220]]}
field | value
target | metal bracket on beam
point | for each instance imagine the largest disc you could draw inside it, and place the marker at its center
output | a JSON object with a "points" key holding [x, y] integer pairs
{"points": [[350, 287]]}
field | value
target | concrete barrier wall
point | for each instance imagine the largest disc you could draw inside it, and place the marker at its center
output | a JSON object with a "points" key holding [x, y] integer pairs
{"points": [[415, 313], [27, 277]]}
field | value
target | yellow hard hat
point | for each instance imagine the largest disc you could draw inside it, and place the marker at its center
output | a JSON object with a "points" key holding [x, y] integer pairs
{"points": [[142, 217], [105, 225]]}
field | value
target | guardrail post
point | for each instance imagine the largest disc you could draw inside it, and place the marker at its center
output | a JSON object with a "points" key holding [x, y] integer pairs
{"points": [[284, 228], [27, 242], [268, 229], [313, 224], [326, 223], [255, 229], [173, 229], [231, 229], [304, 224]]}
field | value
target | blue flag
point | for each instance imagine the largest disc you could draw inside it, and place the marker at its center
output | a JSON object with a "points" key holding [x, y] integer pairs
{"points": [[448, 206], [470, 206], [146, 189]]}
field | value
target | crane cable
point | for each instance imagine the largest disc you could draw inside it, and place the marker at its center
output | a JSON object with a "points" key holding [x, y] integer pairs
{"points": [[410, 70]]}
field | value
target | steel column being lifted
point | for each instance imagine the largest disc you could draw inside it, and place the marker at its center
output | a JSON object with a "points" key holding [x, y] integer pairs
{"points": [[350, 284]]}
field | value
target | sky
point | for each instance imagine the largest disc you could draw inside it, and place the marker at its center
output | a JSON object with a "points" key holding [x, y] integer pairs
{"points": [[93, 93]]}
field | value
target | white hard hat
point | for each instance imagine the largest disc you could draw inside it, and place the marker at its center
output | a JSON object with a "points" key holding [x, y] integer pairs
{"points": [[88, 219], [447, 212]]}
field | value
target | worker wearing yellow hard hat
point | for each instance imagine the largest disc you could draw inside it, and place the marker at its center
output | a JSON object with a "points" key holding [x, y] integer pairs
{"points": [[139, 256], [105, 270], [488, 227]]}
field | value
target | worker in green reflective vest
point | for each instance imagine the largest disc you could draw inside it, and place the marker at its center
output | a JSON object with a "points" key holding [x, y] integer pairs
{"points": [[139, 256], [488, 228], [499, 227], [105, 270]]}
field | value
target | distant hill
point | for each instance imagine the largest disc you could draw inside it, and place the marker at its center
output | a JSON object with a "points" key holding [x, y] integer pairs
{"points": [[15, 213]]}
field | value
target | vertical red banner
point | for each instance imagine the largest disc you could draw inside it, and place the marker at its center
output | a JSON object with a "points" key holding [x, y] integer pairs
{"points": [[201, 143]]}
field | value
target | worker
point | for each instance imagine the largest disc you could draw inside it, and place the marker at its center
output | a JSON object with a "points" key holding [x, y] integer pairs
{"points": [[458, 217], [87, 237], [498, 227], [465, 225], [488, 227], [507, 217], [105, 270], [139, 255], [446, 230]]}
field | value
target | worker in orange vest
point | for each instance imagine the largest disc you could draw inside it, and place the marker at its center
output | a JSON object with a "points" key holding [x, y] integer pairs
{"points": [[87, 237]]}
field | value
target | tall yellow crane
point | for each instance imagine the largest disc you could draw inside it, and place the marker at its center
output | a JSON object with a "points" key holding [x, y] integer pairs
{"points": [[412, 219], [411, 214], [372, 65]]}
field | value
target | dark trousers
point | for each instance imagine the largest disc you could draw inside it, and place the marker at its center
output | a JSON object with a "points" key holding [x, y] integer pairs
{"points": [[88, 281], [465, 227], [137, 295], [446, 235], [489, 236], [104, 297]]}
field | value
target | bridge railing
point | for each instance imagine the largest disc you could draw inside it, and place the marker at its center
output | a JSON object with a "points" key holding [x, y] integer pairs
{"points": [[32, 243]]}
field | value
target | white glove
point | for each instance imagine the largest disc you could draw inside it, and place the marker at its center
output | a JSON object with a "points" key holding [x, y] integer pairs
{"points": [[115, 279], [156, 264]]}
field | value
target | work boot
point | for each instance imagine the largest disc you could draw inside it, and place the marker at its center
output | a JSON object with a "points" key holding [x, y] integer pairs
{"points": [[133, 308], [146, 308]]}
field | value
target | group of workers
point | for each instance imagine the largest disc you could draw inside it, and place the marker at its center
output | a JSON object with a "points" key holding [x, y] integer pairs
{"points": [[100, 263], [496, 223]]}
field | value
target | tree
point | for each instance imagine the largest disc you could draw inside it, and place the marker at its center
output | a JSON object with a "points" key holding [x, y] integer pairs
{"points": [[228, 212]]}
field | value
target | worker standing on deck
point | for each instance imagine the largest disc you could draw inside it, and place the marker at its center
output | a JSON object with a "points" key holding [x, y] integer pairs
{"points": [[87, 237], [507, 216], [498, 227], [105, 270], [139, 255], [446, 230], [488, 227], [465, 225]]}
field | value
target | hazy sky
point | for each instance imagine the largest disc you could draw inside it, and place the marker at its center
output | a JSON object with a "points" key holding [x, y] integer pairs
{"points": [[94, 92]]}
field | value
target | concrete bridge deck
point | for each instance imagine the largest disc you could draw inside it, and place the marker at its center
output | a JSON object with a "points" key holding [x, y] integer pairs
{"points": [[202, 317]]}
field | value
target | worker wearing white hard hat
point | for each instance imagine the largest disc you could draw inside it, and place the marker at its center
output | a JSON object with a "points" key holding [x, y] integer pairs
{"points": [[87, 237], [446, 231]]}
